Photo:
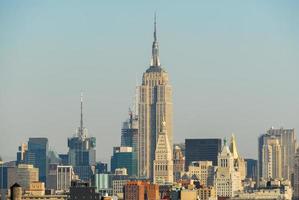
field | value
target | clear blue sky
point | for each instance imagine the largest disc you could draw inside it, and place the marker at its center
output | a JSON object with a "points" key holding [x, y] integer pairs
{"points": [[233, 65]]}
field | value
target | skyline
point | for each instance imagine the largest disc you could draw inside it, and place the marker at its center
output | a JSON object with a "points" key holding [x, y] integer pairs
{"points": [[245, 92]]}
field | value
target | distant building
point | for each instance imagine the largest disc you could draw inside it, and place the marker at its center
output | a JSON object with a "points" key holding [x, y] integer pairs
{"points": [[118, 183], [287, 142], [207, 193], [271, 159], [23, 174], [101, 167], [82, 151], [129, 132], [36, 189], [204, 171], [3, 176], [163, 163], [296, 176], [64, 158], [21, 154], [141, 190], [201, 150], [269, 190], [124, 157], [60, 177], [103, 183], [227, 178], [82, 190], [251, 166], [178, 162], [37, 155]]}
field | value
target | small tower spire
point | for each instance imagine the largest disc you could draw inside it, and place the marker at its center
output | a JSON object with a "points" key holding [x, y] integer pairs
{"points": [[155, 62]]}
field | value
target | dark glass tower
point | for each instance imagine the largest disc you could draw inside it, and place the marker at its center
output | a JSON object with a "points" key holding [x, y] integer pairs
{"points": [[37, 155], [124, 157], [201, 150], [82, 152], [251, 168]]}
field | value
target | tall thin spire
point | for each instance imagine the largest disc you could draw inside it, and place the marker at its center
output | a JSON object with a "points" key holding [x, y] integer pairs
{"points": [[155, 27], [81, 117], [155, 47]]}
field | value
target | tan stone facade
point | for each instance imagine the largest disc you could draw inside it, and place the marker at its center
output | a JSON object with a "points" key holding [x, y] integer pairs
{"points": [[163, 163], [155, 104]]}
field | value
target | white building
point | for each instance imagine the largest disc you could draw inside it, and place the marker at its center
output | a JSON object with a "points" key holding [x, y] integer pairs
{"points": [[163, 163], [204, 171], [239, 162], [227, 178], [271, 159], [60, 177]]}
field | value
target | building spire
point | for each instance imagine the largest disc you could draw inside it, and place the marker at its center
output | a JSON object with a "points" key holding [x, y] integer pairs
{"points": [[155, 62], [155, 27], [81, 117]]}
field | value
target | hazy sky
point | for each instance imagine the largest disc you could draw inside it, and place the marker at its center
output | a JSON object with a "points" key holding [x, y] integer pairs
{"points": [[233, 65]]}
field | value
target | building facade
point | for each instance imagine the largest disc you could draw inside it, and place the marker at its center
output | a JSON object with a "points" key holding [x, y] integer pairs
{"points": [[124, 157], [271, 159], [23, 174], [201, 150], [251, 167], [37, 155], [204, 171], [178, 162], [296, 176], [155, 103], [141, 190], [163, 163], [60, 177], [288, 143], [239, 161], [227, 178], [129, 132]]}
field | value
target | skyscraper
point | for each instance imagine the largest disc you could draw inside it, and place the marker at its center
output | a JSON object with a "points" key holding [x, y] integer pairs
{"points": [[155, 102], [82, 152], [37, 155], [163, 163], [271, 159], [201, 150], [287, 142]]}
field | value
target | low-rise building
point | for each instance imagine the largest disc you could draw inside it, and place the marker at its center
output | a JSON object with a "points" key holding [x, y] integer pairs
{"points": [[141, 190]]}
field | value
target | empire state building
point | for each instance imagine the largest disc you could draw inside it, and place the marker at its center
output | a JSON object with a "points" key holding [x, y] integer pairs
{"points": [[155, 106]]}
